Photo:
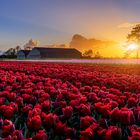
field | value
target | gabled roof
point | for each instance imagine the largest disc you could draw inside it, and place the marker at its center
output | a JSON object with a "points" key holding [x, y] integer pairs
{"points": [[44, 49], [58, 52], [26, 52]]}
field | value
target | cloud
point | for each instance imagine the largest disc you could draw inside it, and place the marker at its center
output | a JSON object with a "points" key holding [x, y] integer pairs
{"points": [[128, 25], [31, 44]]}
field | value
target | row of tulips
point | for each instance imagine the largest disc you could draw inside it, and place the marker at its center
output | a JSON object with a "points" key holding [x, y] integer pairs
{"points": [[48, 101]]}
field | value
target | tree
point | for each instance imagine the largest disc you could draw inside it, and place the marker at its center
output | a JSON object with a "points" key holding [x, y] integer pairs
{"points": [[97, 55], [10, 53], [17, 48], [88, 53], [134, 36]]}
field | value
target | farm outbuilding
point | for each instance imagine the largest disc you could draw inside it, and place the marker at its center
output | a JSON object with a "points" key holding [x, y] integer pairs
{"points": [[22, 54], [39, 52]]}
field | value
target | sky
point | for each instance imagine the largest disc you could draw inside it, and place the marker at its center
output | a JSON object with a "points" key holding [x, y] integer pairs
{"points": [[56, 21]]}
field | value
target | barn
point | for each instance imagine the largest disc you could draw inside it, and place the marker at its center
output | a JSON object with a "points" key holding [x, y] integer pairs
{"points": [[39, 52], [22, 54]]}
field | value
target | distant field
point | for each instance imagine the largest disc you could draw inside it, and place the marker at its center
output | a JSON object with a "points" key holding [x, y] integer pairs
{"points": [[99, 61]]}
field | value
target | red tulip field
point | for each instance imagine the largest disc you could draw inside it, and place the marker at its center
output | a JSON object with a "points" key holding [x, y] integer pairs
{"points": [[59, 101]]}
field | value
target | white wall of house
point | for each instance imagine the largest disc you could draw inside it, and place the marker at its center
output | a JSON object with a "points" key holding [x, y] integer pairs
{"points": [[20, 55], [34, 53]]}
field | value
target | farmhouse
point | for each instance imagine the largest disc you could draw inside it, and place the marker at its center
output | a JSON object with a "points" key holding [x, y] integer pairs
{"points": [[39, 52], [23, 54]]}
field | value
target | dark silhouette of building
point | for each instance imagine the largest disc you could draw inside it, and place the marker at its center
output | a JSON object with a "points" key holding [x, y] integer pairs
{"points": [[39, 52]]}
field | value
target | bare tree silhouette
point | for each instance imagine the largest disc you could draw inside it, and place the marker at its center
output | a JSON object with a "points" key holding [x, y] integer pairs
{"points": [[134, 36]]}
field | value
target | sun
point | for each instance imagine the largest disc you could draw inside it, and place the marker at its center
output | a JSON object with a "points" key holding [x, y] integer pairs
{"points": [[132, 47]]}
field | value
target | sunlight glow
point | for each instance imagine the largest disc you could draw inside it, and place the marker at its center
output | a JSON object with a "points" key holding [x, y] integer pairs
{"points": [[132, 47]]}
